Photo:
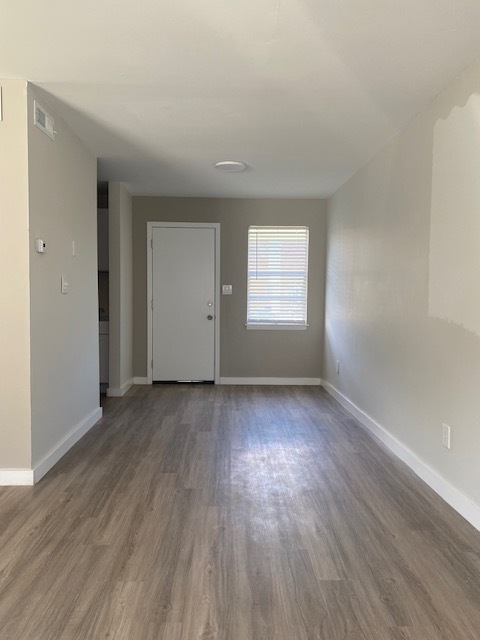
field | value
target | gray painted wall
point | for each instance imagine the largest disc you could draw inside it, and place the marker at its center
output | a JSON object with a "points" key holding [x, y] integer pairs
{"points": [[15, 445], [64, 328], [403, 286], [243, 353], [120, 287]]}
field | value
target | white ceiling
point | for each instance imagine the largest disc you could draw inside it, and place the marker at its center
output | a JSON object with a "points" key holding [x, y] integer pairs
{"points": [[304, 91]]}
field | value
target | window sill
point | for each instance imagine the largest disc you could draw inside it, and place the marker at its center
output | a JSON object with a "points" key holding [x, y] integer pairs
{"points": [[276, 327]]}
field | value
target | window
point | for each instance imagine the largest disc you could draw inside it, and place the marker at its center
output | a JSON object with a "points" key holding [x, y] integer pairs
{"points": [[277, 278]]}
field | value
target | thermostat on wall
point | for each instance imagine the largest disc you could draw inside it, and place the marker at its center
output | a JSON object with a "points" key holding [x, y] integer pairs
{"points": [[40, 246]]}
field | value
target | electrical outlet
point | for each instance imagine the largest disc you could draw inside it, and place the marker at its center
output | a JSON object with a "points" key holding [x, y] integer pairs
{"points": [[338, 367], [446, 436]]}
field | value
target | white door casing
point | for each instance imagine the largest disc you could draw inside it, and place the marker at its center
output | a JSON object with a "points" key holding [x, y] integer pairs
{"points": [[183, 293]]}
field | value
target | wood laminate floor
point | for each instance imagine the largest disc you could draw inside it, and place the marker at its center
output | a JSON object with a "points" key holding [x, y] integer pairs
{"points": [[233, 513]]}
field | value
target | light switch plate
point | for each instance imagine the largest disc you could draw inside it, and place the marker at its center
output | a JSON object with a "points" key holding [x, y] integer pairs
{"points": [[65, 285], [227, 289]]}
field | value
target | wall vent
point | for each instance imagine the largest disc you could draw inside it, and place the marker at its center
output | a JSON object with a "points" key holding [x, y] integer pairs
{"points": [[43, 120]]}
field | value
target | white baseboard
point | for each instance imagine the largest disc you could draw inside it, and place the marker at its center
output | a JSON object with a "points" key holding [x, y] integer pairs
{"points": [[455, 498], [119, 392], [16, 477], [65, 444], [138, 380], [273, 381]]}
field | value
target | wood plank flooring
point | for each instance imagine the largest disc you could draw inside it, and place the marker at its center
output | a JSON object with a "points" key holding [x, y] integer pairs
{"points": [[233, 513]]}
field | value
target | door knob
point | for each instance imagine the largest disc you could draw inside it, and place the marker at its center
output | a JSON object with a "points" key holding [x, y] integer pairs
{"points": [[209, 317]]}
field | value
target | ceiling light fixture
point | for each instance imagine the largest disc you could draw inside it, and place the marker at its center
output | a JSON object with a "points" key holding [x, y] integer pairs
{"points": [[230, 165]]}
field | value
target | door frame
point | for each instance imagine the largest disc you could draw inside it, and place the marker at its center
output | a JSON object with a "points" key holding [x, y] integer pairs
{"points": [[182, 225]]}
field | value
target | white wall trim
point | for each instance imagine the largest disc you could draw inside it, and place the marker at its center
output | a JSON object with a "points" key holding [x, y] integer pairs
{"points": [[119, 392], [185, 225], [140, 380], [273, 381], [16, 477], [455, 498], [65, 444]]}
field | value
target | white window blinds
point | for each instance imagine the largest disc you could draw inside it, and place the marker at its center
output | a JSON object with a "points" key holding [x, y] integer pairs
{"points": [[277, 276]]}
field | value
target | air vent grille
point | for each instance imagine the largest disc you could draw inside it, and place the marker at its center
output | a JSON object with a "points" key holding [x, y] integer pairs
{"points": [[44, 121]]}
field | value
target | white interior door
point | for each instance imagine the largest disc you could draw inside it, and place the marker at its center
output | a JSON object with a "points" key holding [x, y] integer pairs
{"points": [[183, 315]]}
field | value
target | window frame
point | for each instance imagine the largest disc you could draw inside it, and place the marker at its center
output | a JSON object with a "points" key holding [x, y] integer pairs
{"points": [[281, 325]]}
